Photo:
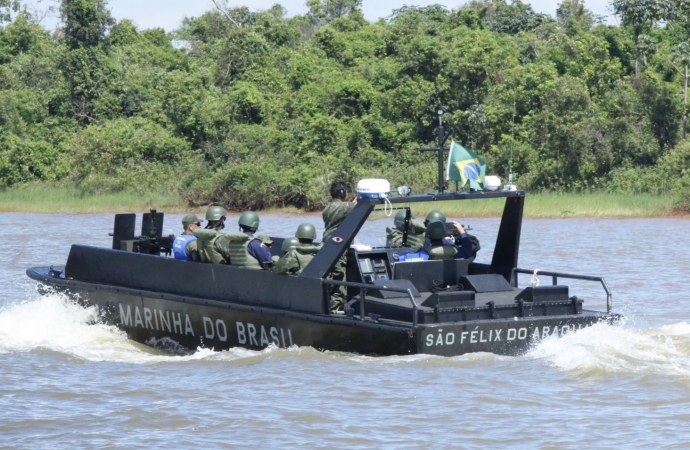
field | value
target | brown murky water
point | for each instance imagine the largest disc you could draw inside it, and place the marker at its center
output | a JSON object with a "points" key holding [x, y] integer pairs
{"points": [[67, 382]]}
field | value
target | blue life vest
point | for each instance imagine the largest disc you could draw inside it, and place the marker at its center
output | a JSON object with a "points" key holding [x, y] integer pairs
{"points": [[180, 246], [417, 256]]}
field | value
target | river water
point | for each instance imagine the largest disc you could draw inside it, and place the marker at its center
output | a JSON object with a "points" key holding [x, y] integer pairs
{"points": [[69, 382]]}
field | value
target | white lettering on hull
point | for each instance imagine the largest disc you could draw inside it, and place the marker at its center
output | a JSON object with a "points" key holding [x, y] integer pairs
{"points": [[249, 334], [262, 336], [478, 336]]}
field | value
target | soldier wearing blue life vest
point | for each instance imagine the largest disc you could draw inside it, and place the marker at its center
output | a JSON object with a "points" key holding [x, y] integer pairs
{"points": [[185, 245]]}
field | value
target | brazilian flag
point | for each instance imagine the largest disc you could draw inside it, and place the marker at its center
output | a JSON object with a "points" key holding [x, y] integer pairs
{"points": [[464, 166]]}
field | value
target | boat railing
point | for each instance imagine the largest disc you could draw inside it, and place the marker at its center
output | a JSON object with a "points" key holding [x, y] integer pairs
{"points": [[556, 275], [363, 293]]}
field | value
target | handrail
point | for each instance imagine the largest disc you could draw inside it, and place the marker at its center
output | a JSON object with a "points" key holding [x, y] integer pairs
{"points": [[555, 275], [364, 287]]}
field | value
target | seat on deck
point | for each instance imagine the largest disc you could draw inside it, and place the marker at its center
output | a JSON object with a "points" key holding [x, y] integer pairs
{"points": [[423, 273]]}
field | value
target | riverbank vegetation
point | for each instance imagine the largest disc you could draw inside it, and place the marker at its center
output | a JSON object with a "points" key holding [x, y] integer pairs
{"points": [[259, 110], [56, 199], [40, 198]]}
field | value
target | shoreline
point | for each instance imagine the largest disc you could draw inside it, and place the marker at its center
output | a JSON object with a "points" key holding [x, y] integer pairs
{"points": [[46, 200]]}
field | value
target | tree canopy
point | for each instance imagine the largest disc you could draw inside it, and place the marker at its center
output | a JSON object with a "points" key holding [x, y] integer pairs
{"points": [[256, 109]]}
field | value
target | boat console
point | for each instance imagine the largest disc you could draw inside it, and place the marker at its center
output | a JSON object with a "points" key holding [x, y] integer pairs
{"points": [[443, 290]]}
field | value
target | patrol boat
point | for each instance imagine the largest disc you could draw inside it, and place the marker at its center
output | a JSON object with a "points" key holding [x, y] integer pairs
{"points": [[396, 305], [440, 307]]}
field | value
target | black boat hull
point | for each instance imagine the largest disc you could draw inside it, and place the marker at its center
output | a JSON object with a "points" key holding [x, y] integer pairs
{"points": [[160, 319]]}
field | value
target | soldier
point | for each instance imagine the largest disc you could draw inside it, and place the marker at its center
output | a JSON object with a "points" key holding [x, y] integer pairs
{"points": [[440, 249], [333, 215], [415, 232], [337, 209], [244, 248], [184, 245], [306, 233], [296, 259], [434, 216], [206, 238], [216, 218], [452, 238], [289, 244]]}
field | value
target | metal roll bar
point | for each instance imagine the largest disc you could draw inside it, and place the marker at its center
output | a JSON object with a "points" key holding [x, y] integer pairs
{"points": [[364, 287], [555, 275]]}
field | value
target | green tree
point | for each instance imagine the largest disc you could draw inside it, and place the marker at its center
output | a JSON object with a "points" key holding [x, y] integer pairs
{"points": [[7, 7], [86, 22], [86, 65], [329, 10], [641, 16], [681, 56], [574, 16]]}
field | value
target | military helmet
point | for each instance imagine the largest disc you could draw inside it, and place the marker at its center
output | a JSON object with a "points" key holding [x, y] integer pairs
{"points": [[215, 213], [289, 244], [400, 218], [306, 231], [249, 219], [436, 230], [435, 216]]}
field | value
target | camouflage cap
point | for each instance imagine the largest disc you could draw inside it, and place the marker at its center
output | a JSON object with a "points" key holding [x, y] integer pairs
{"points": [[266, 240], [189, 219]]}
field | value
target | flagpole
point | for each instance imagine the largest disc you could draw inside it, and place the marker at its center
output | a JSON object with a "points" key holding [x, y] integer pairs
{"points": [[441, 183]]}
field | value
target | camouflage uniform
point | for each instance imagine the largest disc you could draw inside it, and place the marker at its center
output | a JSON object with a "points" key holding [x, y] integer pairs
{"points": [[294, 261], [333, 215], [192, 250], [415, 235], [207, 247], [214, 246]]}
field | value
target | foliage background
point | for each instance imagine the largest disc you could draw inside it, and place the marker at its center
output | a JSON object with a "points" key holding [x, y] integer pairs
{"points": [[256, 110]]}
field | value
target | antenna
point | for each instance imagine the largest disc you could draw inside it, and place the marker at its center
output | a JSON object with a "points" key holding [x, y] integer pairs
{"points": [[512, 142], [441, 140]]}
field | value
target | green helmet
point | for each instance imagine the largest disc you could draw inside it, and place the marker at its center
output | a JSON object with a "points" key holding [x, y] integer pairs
{"points": [[435, 216], [289, 244], [306, 231], [400, 218], [436, 230], [249, 219], [215, 213]]}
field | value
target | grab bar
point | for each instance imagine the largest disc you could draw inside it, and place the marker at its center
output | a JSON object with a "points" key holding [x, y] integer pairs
{"points": [[555, 275], [364, 287]]}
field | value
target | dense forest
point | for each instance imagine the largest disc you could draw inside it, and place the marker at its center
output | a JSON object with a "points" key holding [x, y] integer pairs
{"points": [[255, 109]]}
